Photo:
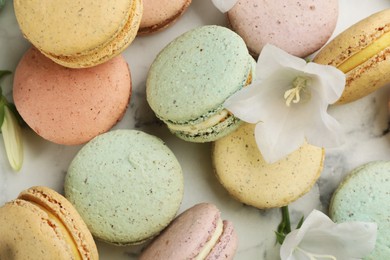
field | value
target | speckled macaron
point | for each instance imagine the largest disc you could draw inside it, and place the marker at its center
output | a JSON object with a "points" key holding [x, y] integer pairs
{"points": [[298, 27], [70, 106], [191, 78], [42, 224], [159, 14], [79, 34], [364, 195], [127, 186], [197, 233], [241, 169]]}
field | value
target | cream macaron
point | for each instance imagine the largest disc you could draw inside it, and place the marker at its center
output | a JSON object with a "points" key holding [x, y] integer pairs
{"points": [[42, 224], [241, 169], [79, 34]]}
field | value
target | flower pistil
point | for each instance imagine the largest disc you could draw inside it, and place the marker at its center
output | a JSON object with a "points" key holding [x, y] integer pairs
{"points": [[312, 256], [299, 84]]}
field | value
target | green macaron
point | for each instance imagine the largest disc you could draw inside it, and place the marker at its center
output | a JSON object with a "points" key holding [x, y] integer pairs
{"points": [[127, 186], [364, 195], [191, 78]]}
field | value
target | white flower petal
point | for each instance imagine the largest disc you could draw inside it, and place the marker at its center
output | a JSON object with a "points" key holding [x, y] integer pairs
{"points": [[12, 136], [224, 5], [320, 236], [331, 81], [272, 59]]}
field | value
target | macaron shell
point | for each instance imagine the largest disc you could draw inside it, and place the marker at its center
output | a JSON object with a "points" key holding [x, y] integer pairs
{"points": [[186, 235], [70, 106], [194, 74], [158, 14], [109, 50], [127, 186], [364, 196], [227, 244], [26, 233], [78, 20], [373, 73], [242, 170], [298, 27], [57, 205]]}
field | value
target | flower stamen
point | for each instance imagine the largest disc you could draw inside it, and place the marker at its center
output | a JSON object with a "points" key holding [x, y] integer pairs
{"points": [[293, 94], [316, 256]]}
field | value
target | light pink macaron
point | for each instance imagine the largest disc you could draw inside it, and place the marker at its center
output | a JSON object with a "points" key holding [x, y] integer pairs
{"points": [[197, 232], [159, 14], [70, 106], [298, 27]]}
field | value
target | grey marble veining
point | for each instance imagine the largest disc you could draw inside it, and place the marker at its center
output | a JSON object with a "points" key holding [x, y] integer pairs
{"points": [[365, 124]]}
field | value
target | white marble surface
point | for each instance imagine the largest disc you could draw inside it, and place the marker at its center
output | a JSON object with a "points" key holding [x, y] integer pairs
{"points": [[365, 123]]}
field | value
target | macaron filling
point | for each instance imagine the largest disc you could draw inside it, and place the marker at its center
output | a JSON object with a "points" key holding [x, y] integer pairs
{"points": [[367, 53], [59, 227], [219, 117], [212, 242]]}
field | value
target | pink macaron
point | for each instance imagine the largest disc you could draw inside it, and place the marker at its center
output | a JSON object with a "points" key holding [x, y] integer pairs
{"points": [[298, 27], [199, 232], [70, 106], [159, 14]]}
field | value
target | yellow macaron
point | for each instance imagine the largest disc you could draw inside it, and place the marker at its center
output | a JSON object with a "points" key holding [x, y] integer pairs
{"points": [[42, 224], [241, 169], [79, 34], [362, 52]]}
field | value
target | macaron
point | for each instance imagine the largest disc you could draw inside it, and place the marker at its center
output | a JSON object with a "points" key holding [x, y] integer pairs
{"points": [[362, 52], [127, 186], [42, 224], [298, 27], [79, 34], [159, 14], [70, 106], [197, 233], [191, 78], [241, 169], [364, 196]]}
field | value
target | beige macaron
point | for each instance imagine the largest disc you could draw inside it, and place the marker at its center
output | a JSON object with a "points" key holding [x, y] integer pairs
{"points": [[242, 170], [159, 14], [42, 224], [79, 34], [362, 52]]}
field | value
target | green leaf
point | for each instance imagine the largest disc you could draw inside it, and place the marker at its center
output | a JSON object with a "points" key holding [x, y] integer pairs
{"points": [[4, 72], [280, 237], [300, 222]]}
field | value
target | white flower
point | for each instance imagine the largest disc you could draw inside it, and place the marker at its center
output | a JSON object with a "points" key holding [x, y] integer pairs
{"points": [[12, 136], [320, 238], [224, 5], [288, 101]]}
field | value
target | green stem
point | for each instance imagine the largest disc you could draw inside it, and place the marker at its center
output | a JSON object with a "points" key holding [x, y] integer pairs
{"points": [[286, 220]]}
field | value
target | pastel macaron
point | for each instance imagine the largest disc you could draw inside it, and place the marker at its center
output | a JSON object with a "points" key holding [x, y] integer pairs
{"points": [[79, 34], [362, 52], [241, 169], [159, 14], [197, 233], [70, 106], [42, 224], [127, 186], [364, 196], [191, 78], [298, 27]]}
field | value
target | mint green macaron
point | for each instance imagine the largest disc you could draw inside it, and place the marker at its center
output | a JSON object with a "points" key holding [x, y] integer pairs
{"points": [[191, 78], [364, 195], [127, 186]]}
